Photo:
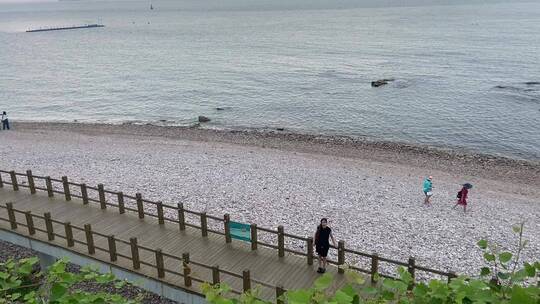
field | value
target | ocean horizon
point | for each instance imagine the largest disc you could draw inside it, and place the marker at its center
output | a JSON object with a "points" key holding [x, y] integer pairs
{"points": [[465, 75]]}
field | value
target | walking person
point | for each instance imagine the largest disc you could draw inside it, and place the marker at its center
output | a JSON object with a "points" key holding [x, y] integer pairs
{"points": [[462, 197], [5, 121], [428, 190], [322, 244]]}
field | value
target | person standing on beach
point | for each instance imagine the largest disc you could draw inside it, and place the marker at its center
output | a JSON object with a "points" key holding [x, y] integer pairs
{"points": [[5, 121], [462, 197], [428, 190], [322, 244]]}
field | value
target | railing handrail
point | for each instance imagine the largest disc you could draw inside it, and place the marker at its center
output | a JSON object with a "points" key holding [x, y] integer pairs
{"points": [[47, 217], [181, 221]]}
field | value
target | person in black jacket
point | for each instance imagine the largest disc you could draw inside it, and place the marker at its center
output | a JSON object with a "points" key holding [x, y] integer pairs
{"points": [[5, 121], [322, 243]]}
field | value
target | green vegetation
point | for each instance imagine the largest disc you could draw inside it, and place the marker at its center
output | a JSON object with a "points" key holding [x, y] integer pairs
{"points": [[505, 279], [20, 282]]}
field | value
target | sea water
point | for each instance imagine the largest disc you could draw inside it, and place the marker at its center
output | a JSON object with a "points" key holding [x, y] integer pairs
{"points": [[467, 73]]}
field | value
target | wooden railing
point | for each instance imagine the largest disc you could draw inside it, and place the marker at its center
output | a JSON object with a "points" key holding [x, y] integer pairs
{"points": [[158, 210], [44, 224]]}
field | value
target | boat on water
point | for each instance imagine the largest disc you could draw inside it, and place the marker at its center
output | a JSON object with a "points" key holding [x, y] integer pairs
{"points": [[46, 29]]}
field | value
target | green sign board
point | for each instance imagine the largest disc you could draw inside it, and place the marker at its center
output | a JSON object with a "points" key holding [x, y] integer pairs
{"points": [[240, 231]]}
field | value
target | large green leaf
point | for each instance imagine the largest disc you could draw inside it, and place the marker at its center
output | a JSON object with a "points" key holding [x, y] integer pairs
{"points": [[520, 296], [519, 276], [405, 275], [531, 271], [420, 290], [482, 244], [299, 296], [489, 257], [503, 275], [485, 271], [349, 290], [505, 257], [323, 282], [395, 285], [342, 298], [57, 291], [369, 291]]}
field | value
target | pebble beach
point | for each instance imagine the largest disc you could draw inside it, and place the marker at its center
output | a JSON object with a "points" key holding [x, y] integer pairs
{"points": [[371, 192]]}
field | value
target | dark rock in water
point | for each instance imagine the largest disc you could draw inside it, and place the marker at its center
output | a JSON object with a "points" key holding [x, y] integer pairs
{"points": [[280, 129], [381, 82], [532, 83], [220, 109], [203, 119]]}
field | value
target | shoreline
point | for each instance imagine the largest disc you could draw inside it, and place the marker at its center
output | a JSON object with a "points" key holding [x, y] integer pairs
{"points": [[450, 160]]}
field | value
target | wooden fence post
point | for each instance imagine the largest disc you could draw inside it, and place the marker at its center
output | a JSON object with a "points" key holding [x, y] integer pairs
{"points": [[411, 270], [161, 219], [135, 253], [204, 225], [246, 280], [279, 292], [89, 238], [451, 275], [374, 267], [159, 263], [101, 192], [227, 227], [65, 183], [281, 241], [84, 194], [121, 206], [187, 270], [215, 275], [14, 181], [309, 244], [1, 181], [30, 223], [69, 234], [112, 248], [11, 216], [48, 226], [140, 208], [181, 217], [31, 183], [48, 184], [341, 256], [253, 236]]}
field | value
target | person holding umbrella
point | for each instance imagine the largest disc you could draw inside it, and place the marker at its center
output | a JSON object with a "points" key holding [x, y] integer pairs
{"points": [[462, 196]]}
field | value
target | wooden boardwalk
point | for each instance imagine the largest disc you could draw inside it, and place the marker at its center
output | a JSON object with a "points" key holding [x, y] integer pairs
{"points": [[170, 243], [264, 265]]}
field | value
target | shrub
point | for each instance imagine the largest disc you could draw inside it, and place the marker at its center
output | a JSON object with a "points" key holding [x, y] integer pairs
{"points": [[21, 282]]}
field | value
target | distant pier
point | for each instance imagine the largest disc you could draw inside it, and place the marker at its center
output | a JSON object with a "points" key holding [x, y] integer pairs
{"points": [[65, 28]]}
